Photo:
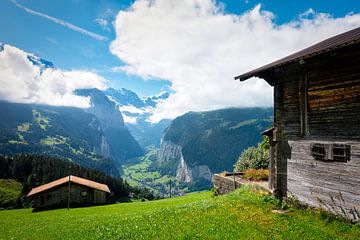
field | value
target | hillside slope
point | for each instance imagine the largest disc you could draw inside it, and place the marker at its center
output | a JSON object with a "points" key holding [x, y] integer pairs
{"points": [[197, 144], [64, 132], [122, 143], [240, 215]]}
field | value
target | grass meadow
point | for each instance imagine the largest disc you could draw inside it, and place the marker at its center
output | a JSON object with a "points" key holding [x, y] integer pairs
{"points": [[239, 215]]}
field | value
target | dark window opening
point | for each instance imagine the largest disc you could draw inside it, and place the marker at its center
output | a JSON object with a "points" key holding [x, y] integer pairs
{"points": [[341, 152], [83, 195], [319, 151], [331, 152]]}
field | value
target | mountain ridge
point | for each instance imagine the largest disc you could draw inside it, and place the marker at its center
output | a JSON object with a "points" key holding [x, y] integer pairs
{"points": [[198, 144]]}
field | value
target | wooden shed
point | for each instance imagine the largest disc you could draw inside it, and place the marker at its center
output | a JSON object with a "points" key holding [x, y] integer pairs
{"points": [[316, 136], [83, 192]]}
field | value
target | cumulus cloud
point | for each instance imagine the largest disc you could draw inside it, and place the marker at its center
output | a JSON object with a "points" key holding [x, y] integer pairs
{"points": [[200, 48], [129, 119], [26, 81]]}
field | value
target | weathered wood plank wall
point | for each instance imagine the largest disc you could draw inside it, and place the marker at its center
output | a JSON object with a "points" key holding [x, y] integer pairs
{"points": [[331, 114], [334, 186]]}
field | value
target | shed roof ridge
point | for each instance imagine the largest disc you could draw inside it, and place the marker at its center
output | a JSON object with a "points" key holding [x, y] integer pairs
{"points": [[73, 179]]}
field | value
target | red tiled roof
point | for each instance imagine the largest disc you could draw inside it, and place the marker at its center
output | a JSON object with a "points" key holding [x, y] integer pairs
{"points": [[336, 42], [73, 179]]}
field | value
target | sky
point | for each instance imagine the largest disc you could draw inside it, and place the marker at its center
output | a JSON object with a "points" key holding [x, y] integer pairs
{"points": [[192, 48]]}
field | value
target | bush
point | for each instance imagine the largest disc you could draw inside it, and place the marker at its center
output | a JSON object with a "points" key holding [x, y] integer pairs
{"points": [[256, 174], [254, 158]]}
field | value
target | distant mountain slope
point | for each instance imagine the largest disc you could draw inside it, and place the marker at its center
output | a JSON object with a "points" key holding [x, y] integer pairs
{"points": [[94, 137], [65, 132], [148, 134], [121, 142], [136, 112], [197, 144], [125, 97]]}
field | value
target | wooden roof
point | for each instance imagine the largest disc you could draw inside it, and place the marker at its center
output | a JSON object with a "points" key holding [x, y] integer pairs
{"points": [[333, 43], [65, 180]]}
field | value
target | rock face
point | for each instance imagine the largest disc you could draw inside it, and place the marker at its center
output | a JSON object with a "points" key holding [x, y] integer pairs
{"points": [[198, 144], [105, 147], [183, 173], [170, 152]]}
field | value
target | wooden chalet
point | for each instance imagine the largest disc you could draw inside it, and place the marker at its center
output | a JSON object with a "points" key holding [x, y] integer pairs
{"points": [[56, 194], [315, 142]]}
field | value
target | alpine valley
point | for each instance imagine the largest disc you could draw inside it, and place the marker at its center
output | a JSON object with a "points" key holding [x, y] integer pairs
{"points": [[114, 135]]}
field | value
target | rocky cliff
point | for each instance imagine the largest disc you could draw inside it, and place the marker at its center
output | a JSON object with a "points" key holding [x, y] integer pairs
{"points": [[172, 153], [198, 144]]}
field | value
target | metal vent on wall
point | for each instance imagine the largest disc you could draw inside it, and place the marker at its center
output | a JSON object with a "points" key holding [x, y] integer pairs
{"points": [[331, 152]]}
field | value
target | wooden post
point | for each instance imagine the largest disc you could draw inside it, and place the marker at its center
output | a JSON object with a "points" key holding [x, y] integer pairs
{"points": [[271, 163], [170, 188], [303, 100], [234, 181], [280, 160], [69, 195]]}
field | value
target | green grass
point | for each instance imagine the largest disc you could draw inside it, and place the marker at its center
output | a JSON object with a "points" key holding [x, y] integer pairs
{"points": [[240, 215], [42, 121], [23, 127], [53, 140], [10, 190], [16, 142]]}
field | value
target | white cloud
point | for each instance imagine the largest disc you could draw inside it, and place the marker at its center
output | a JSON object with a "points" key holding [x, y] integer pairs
{"points": [[199, 48], [22, 81], [132, 109], [61, 22], [104, 18], [128, 119], [102, 22]]}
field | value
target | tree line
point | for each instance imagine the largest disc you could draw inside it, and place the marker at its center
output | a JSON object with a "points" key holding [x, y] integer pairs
{"points": [[34, 170]]}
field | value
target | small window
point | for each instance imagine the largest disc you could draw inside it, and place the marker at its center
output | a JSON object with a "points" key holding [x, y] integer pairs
{"points": [[331, 152], [319, 151], [83, 194], [341, 152]]}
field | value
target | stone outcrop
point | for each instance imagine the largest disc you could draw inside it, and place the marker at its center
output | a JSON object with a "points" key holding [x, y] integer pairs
{"points": [[183, 173], [170, 151]]}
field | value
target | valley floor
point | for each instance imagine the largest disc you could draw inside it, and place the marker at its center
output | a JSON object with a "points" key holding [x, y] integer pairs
{"points": [[240, 215], [138, 172]]}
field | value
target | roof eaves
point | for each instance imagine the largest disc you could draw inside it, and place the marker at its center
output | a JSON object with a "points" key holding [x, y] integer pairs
{"points": [[324, 46]]}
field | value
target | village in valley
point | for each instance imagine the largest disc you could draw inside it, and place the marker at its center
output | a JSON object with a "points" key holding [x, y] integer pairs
{"points": [[243, 120]]}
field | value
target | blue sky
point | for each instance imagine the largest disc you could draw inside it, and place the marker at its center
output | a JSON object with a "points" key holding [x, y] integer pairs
{"points": [[192, 48], [69, 49]]}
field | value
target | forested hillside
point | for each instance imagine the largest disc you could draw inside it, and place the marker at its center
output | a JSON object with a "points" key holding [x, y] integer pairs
{"points": [[198, 144], [35, 170], [64, 132]]}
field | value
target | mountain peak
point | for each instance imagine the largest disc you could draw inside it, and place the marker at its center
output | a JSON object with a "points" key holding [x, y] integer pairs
{"points": [[125, 97], [37, 61]]}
